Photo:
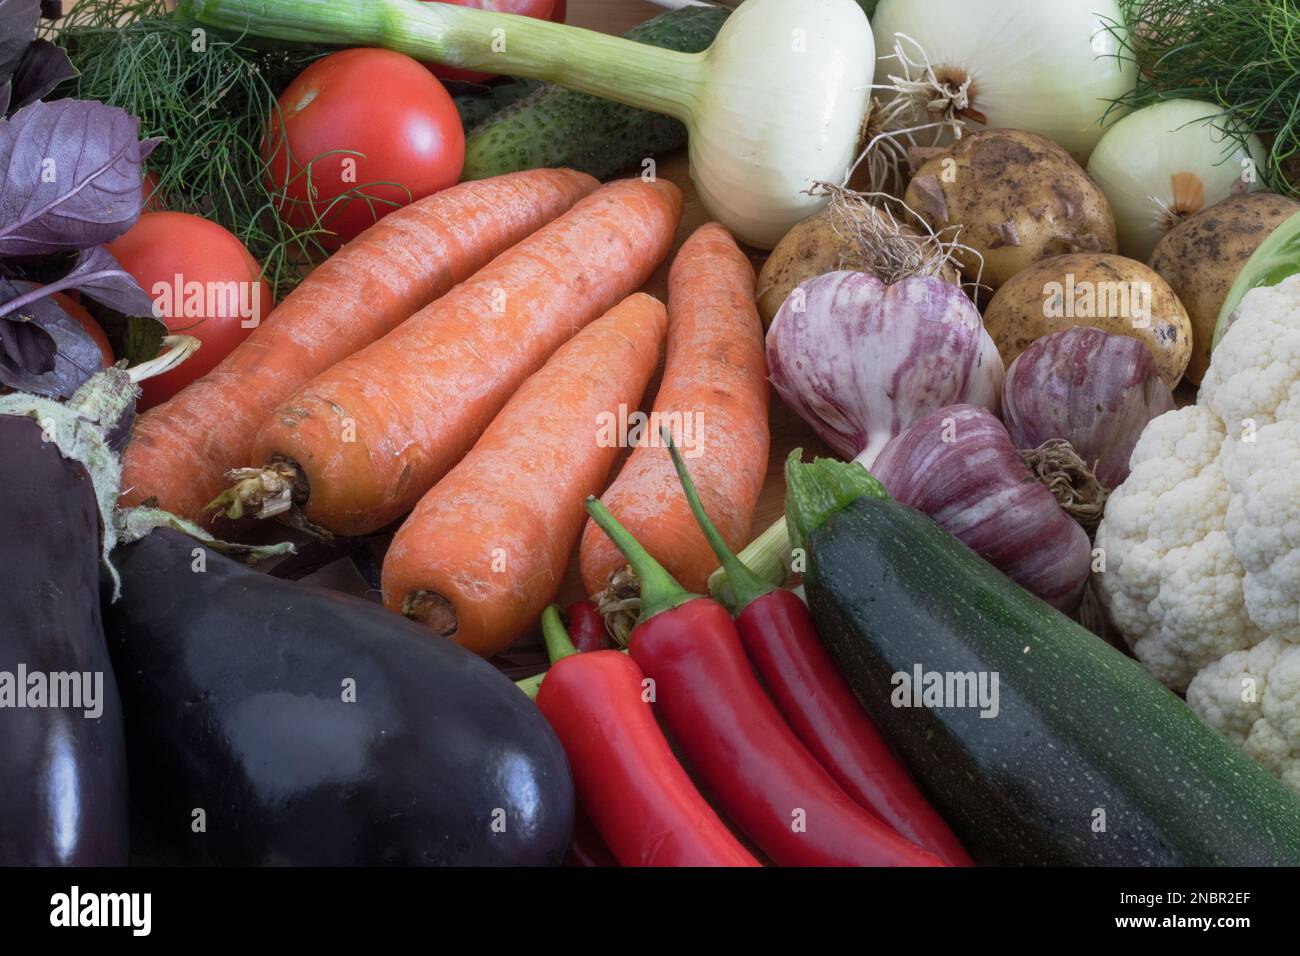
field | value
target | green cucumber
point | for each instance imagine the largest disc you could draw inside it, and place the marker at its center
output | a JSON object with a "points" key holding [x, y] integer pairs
{"points": [[558, 127], [475, 102], [1089, 760]]}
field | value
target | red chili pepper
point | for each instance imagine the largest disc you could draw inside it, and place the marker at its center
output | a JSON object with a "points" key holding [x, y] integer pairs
{"points": [[733, 735], [640, 799], [779, 636], [587, 627]]}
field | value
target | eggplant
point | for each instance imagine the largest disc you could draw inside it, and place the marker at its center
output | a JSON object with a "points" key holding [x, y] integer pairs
{"points": [[63, 785], [273, 722]]}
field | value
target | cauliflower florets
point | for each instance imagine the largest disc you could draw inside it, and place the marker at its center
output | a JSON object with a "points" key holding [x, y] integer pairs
{"points": [[1172, 583], [1263, 524], [1253, 698], [1202, 542]]}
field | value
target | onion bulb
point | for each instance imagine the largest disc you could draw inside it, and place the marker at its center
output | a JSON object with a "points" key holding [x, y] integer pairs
{"points": [[1166, 162], [1051, 68]]}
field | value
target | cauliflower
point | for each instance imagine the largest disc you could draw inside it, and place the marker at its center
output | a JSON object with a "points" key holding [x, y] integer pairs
{"points": [[1202, 542], [1253, 698]]}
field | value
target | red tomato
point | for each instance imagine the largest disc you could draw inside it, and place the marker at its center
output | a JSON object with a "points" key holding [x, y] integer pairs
{"points": [[382, 119], [78, 311], [537, 9], [560, 11], [202, 281]]}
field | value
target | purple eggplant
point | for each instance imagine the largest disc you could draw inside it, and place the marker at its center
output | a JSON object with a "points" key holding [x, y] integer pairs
{"points": [[272, 722], [63, 785]]}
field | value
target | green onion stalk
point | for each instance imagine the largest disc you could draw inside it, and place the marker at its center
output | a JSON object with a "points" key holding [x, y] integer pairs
{"points": [[773, 106]]}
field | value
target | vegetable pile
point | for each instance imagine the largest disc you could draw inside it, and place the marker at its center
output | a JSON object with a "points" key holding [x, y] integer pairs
{"points": [[355, 288]]}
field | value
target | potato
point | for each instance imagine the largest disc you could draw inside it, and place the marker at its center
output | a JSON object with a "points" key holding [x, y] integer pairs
{"points": [[1018, 198], [1201, 257], [1111, 293], [826, 243]]}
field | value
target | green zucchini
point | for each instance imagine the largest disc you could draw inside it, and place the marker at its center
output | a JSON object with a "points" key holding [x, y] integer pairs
{"points": [[558, 127], [1089, 760]]}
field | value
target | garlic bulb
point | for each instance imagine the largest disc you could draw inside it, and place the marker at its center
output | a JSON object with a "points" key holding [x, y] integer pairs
{"points": [[860, 360], [960, 467]]}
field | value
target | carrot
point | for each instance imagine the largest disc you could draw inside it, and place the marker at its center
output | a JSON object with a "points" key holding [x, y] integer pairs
{"points": [[713, 399], [359, 445], [181, 450], [484, 552]]}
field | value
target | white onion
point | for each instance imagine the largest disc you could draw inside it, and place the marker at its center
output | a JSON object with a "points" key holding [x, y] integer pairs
{"points": [[778, 110], [1163, 163], [1047, 66]]}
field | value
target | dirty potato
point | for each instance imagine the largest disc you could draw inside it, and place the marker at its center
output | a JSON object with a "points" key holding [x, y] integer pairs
{"points": [[850, 235], [1111, 293], [1202, 256], [1018, 198]]}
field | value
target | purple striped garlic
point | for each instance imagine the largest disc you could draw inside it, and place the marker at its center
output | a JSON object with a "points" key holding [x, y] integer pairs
{"points": [[860, 360], [959, 466]]}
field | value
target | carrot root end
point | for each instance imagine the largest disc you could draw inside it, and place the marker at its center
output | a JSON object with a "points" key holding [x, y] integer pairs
{"points": [[432, 610], [620, 604]]}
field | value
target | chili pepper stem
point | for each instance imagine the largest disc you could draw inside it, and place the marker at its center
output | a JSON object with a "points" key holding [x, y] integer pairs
{"points": [[659, 590], [531, 685], [746, 586], [558, 643]]}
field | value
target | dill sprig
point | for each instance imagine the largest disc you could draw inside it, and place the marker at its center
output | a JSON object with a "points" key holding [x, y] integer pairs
{"points": [[210, 106], [1241, 55]]}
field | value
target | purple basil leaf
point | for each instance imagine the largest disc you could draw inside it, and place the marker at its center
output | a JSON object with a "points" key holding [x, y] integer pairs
{"points": [[43, 67], [17, 31], [72, 173], [43, 350], [98, 275], [51, 9]]}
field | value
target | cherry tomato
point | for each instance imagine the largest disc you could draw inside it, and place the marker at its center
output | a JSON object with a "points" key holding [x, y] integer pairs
{"points": [[391, 132], [78, 311], [202, 281], [537, 9]]}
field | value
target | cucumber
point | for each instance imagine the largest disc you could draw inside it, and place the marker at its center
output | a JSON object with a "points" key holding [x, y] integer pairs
{"points": [[558, 127], [475, 102], [1081, 729]]}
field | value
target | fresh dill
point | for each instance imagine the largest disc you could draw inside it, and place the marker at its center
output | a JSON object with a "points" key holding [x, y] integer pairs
{"points": [[1241, 55], [210, 98]]}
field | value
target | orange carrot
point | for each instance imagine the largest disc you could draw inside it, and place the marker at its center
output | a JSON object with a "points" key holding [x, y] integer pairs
{"points": [[484, 552], [181, 450], [713, 400], [359, 445]]}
